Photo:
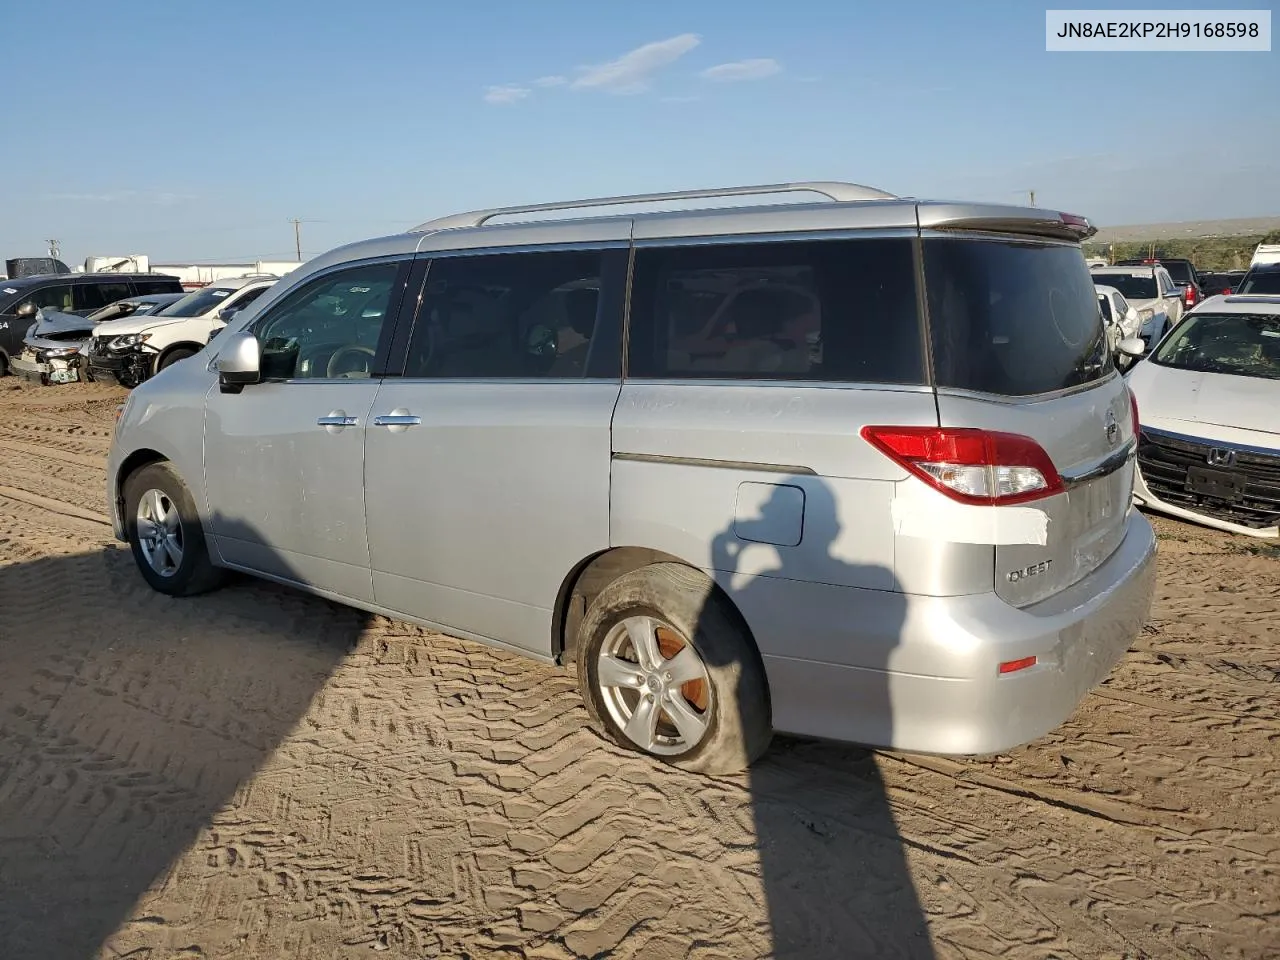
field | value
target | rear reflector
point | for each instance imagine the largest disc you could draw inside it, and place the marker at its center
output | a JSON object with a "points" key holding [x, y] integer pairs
{"points": [[981, 467], [1013, 666]]}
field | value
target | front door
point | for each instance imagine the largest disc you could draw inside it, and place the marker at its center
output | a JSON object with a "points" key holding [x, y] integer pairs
{"points": [[488, 461], [284, 458]]}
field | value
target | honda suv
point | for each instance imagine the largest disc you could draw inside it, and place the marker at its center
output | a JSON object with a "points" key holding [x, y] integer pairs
{"points": [[858, 469]]}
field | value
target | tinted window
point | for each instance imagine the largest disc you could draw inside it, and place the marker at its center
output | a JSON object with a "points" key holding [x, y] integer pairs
{"points": [[1135, 286], [93, 296], [1105, 303], [1180, 272], [1013, 318], [509, 315], [157, 286], [1240, 344], [839, 310], [199, 302], [329, 328], [1261, 281]]}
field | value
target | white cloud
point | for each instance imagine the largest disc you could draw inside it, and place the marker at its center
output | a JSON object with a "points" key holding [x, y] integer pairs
{"points": [[552, 81], [505, 93], [739, 70], [633, 72]]}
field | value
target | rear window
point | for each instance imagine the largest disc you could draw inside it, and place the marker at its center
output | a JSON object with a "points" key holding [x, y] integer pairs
{"points": [[1013, 318], [836, 310], [1135, 286], [1267, 281], [1181, 272]]}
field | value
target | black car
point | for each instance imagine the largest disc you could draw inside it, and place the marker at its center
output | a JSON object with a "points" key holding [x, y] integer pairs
{"points": [[1264, 278], [1182, 271], [79, 293], [1220, 282]]}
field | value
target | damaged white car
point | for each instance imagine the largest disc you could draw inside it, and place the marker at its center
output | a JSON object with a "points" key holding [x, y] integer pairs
{"points": [[1209, 403]]}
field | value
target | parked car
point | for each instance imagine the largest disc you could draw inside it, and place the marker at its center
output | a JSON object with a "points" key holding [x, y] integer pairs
{"points": [[1265, 253], [1261, 279], [1122, 320], [1151, 291], [54, 349], [135, 348], [79, 293], [1182, 271], [1221, 282], [825, 532], [1210, 436]]}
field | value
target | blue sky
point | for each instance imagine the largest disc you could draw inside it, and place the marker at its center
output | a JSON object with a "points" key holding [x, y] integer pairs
{"points": [[194, 131]]}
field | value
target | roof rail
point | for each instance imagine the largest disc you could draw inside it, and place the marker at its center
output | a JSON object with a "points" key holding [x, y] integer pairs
{"points": [[831, 189]]}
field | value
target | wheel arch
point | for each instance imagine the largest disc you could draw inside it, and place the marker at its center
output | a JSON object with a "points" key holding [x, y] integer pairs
{"points": [[168, 351], [135, 461], [585, 582]]}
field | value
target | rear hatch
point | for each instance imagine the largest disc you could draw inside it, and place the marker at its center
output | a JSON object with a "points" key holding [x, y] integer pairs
{"points": [[1019, 347]]}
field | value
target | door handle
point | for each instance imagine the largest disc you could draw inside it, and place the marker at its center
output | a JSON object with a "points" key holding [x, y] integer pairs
{"points": [[335, 420], [396, 420]]}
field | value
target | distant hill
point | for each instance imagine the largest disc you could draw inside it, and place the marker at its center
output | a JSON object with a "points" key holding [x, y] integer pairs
{"points": [[1209, 244]]}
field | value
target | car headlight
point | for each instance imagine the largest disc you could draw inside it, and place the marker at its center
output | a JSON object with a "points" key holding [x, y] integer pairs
{"points": [[62, 352], [128, 340]]}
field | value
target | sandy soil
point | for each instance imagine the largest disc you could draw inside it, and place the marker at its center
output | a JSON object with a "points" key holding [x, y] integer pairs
{"points": [[260, 774]]}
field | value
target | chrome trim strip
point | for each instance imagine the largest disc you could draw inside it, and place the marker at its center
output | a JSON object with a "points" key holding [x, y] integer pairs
{"points": [[1028, 397], [337, 421], [716, 464], [584, 246], [839, 233], [1210, 442], [776, 384], [396, 420], [1101, 468]]}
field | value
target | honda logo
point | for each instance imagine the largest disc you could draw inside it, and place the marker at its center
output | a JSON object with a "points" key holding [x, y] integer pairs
{"points": [[1221, 457]]}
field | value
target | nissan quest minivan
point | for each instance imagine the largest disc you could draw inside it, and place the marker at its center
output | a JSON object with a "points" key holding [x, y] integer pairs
{"points": [[858, 469]]}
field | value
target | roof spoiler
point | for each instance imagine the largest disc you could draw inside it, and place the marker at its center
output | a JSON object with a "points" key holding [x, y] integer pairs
{"points": [[1024, 220]]}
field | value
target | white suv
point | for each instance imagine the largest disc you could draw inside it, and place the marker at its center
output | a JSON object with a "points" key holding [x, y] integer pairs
{"points": [[135, 348]]}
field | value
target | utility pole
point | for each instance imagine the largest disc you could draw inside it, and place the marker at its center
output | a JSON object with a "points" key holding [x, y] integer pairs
{"points": [[55, 249], [297, 236], [1033, 197]]}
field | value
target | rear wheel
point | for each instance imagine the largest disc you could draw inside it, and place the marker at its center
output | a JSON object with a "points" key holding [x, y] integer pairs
{"points": [[666, 667], [165, 534]]}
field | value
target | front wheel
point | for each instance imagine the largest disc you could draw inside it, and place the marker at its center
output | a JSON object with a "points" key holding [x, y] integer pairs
{"points": [[165, 534], [666, 667], [173, 356]]}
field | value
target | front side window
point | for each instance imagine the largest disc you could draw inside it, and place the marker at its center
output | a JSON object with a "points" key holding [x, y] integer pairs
{"points": [[1105, 303], [1245, 345], [1013, 318], [509, 315], [834, 310], [53, 298], [329, 328]]}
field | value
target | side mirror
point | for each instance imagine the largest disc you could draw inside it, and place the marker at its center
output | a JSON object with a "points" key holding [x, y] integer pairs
{"points": [[26, 310], [239, 362], [1132, 347]]}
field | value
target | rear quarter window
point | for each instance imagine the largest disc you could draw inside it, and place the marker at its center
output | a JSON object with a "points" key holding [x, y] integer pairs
{"points": [[1012, 318], [827, 310]]}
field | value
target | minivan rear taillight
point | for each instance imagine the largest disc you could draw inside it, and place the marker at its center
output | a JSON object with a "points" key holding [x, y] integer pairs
{"points": [[973, 466]]}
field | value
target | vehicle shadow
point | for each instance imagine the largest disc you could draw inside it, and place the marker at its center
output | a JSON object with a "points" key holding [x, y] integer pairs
{"points": [[836, 881], [127, 720]]}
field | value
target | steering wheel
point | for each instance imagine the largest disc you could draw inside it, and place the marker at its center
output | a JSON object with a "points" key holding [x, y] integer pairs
{"points": [[334, 365]]}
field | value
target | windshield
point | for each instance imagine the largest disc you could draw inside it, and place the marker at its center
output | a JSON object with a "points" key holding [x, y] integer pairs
{"points": [[1013, 318], [198, 303], [1135, 286], [1267, 281], [1243, 344]]}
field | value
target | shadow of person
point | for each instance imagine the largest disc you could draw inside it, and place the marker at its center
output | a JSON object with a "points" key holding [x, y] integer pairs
{"points": [[835, 877], [127, 721]]}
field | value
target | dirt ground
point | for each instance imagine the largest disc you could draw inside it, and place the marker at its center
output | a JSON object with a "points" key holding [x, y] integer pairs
{"points": [[260, 774]]}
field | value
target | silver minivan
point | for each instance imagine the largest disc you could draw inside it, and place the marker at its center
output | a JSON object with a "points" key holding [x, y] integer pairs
{"points": [[857, 469]]}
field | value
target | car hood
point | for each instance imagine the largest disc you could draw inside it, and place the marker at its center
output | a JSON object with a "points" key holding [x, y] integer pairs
{"points": [[1221, 399], [54, 323], [126, 325]]}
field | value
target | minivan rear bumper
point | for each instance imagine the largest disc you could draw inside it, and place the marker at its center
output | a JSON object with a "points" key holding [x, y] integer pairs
{"points": [[962, 705]]}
